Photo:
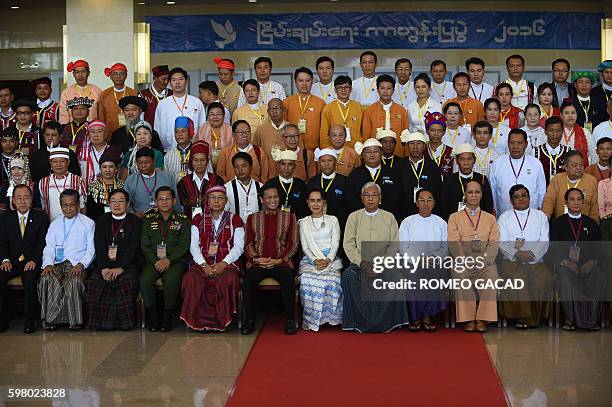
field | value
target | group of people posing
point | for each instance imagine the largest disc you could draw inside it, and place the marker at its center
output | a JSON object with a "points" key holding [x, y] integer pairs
{"points": [[108, 193]]}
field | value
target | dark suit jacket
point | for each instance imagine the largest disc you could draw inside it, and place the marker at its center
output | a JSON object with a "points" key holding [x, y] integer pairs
{"points": [[599, 101], [337, 196], [31, 246], [571, 90], [40, 166]]}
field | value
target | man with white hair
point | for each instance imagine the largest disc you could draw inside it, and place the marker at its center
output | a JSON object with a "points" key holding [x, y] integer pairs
{"points": [[334, 185], [372, 170]]}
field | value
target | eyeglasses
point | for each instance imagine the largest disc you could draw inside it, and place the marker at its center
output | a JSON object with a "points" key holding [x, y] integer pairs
{"points": [[292, 136], [117, 202], [560, 71], [520, 196], [275, 109], [68, 206], [370, 196], [165, 199], [344, 87], [243, 133]]}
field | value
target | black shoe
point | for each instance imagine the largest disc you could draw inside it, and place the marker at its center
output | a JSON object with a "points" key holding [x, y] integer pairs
{"points": [[247, 327], [167, 324], [76, 327], [153, 319], [49, 327], [290, 327], [29, 327]]}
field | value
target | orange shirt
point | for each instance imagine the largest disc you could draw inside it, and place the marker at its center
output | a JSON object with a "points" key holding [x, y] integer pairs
{"points": [[472, 109], [375, 116], [310, 110]]}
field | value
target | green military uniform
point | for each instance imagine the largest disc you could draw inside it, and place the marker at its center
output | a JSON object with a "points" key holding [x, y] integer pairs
{"points": [[176, 235]]}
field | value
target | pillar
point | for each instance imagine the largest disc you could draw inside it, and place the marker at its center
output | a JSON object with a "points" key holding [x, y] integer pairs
{"points": [[102, 33]]}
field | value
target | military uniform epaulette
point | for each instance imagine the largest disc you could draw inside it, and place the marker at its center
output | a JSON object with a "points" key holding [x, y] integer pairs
{"points": [[151, 215]]}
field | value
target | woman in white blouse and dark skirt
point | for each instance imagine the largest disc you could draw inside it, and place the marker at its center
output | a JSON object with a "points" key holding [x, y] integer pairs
{"points": [[320, 267]]}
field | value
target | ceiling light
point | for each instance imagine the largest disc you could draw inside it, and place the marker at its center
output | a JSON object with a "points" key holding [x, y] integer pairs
{"points": [[141, 3], [14, 7], [252, 1], [170, 3]]}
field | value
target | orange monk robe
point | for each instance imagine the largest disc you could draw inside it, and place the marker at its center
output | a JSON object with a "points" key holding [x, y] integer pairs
{"points": [[472, 109], [303, 171], [109, 110], [348, 160], [309, 109], [350, 117], [374, 118], [254, 117], [260, 170]]}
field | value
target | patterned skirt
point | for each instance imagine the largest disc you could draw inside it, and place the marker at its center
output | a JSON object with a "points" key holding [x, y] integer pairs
{"points": [[61, 296], [112, 304], [321, 293]]}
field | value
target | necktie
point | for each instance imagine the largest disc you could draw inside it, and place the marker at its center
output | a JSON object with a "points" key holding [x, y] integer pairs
{"points": [[22, 225]]}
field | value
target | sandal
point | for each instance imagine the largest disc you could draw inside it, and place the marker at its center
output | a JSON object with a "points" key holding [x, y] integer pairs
{"points": [[595, 328], [522, 326], [415, 326], [429, 327], [569, 326]]}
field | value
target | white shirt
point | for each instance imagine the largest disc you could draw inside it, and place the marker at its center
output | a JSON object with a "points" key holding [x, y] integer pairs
{"points": [[78, 241], [373, 171], [427, 232], [56, 187], [481, 92], [169, 109], [441, 92], [460, 135], [505, 175], [485, 157], [499, 138], [267, 91], [534, 225], [325, 92], [536, 137], [520, 92], [42, 104], [247, 198], [234, 253], [417, 114], [603, 129], [404, 94], [364, 91]]}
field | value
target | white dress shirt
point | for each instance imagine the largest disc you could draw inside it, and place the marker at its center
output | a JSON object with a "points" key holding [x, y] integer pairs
{"points": [[77, 241], [507, 172], [404, 94], [247, 198], [441, 92], [169, 109], [364, 91], [531, 225], [481, 92], [419, 235], [603, 129], [325, 92], [267, 91], [234, 253], [417, 114]]}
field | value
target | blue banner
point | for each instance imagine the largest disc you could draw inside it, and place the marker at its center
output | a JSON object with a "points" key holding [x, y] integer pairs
{"points": [[390, 30]]}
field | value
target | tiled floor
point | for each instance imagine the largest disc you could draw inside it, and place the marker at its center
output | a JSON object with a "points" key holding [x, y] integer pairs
{"points": [[544, 367]]}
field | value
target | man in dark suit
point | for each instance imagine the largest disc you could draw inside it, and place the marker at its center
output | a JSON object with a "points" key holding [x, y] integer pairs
{"points": [[22, 240], [563, 88], [602, 92]]}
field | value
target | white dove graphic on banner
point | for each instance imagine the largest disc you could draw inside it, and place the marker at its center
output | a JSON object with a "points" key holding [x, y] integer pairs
{"points": [[226, 32]]}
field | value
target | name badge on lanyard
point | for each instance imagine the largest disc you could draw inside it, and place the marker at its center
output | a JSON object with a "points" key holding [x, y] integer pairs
{"points": [[112, 252], [59, 254], [161, 251], [302, 125]]}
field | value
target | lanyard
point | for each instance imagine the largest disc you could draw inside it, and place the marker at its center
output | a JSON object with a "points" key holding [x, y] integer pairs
{"points": [[74, 133], [418, 177], [475, 227], [247, 192], [122, 95], [517, 93], [502, 116], [180, 155], [257, 112], [217, 231], [287, 191], [441, 94], [105, 188], [82, 92], [551, 110], [586, 111], [519, 222], [385, 161], [461, 183], [224, 91], [57, 186], [474, 93], [516, 176], [95, 156], [575, 232], [157, 95], [328, 185], [325, 95], [367, 91], [453, 139], [568, 184], [264, 96], [553, 158], [66, 234], [149, 191], [344, 116], [182, 107], [421, 109], [484, 160], [566, 137], [496, 138], [375, 177], [403, 95], [116, 231], [303, 109], [432, 154]]}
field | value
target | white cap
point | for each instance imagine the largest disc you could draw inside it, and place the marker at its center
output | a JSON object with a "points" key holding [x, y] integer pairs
{"points": [[318, 153], [382, 133], [371, 142], [59, 152], [286, 155], [407, 137], [463, 148]]}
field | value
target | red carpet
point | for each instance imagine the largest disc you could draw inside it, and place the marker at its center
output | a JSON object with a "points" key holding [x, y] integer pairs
{"points": [[335, 368]]}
